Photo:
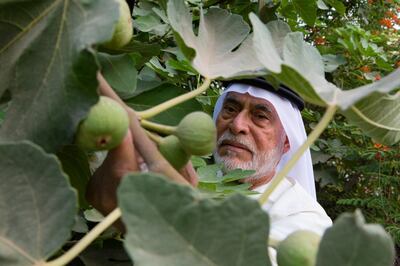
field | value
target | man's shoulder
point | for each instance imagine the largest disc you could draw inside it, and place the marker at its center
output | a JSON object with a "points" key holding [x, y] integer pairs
{"points": [[291, 208], [292, 198]]}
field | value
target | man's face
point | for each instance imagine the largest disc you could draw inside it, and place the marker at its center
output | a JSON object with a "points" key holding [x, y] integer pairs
{"points": [[250, 134]]}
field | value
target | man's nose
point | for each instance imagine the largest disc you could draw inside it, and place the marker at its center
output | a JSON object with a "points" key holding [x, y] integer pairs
{"points": [[239, 125]]}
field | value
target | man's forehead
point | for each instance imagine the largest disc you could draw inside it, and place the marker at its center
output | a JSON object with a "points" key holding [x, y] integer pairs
{"points": [[243, 97]]}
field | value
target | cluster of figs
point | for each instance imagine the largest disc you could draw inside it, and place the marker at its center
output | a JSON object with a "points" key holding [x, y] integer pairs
{"points": [[107, 123]]}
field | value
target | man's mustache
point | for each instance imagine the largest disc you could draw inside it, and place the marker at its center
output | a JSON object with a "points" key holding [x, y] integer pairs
{"points": [[230, 138]]}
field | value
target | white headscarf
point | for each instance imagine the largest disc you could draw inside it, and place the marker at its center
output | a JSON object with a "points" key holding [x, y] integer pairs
{"points": [[292, 123]]}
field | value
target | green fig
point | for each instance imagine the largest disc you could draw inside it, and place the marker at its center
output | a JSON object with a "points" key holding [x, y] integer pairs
{"points": [[105, 126], [300, 248], [171, 148], [197, 133], [123, 30]]}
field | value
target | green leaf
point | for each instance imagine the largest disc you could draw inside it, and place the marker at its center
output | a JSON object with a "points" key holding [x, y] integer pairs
{"points": [[383, 86], [181, 65], [211, 173], [162, 93], [306, 60], [326, 176], [321, 5], [332, 62], [197, 161], [151, 23], [302, 69], [141, 52], [227, 189], [75, 164], [219, 34], [278, 31], [338, 5], [80, 225], [166, 71], [237, 174], [352, 242], [187, 229], [49, 67], [263, 40], [3, 110], [37, 205], [378, 116], [319, 157], [307, 10], [147, 80], [93, 215], [120, 72], [188, 52], [2, 114]]}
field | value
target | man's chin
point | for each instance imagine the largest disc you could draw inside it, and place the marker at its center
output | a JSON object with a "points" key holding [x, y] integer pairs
{"points": [[232, 163]]}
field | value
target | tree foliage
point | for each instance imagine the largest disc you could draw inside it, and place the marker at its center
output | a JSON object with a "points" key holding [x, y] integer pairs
{"points": [[339, 55]]}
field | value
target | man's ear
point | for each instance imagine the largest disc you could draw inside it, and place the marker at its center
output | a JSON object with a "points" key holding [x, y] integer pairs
{"points": [[286, 145]]}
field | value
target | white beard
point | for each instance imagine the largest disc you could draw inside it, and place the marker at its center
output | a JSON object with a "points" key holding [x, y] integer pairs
{"points": [[263, 163]]}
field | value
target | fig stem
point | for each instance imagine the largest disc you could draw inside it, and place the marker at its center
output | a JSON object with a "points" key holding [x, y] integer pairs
{"points": [[273, 243], [153, 137], [175, 101], [159, 128], [86, 240], [147, 148], [323, 123]]}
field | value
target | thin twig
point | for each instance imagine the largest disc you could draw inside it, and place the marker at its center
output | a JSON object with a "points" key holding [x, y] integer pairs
{"points": [[86, 240], [177, 100], [163, 129], [330, 112]]}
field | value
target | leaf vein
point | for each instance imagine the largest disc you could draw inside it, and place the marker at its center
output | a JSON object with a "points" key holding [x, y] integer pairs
{"points": [[29, 26]]}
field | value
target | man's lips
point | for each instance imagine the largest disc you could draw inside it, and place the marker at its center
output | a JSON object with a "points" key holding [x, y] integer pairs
{"points": [[233, 144]]}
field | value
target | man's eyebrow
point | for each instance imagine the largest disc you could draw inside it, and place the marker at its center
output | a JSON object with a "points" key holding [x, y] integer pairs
{"points": [[263, 107], [232, 100]]}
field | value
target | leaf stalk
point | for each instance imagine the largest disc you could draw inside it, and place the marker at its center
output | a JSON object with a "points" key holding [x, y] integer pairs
{"points": [[175, 101], [159, 128], [86, 240]]}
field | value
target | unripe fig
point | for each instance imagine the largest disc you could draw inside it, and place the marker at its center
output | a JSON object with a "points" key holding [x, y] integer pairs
{"points": [[105, 126], [171, 148], [197, 133], [298, 249], [123, 30]]}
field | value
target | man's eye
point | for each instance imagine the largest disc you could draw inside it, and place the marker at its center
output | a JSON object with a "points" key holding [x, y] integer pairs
{"points": [[261, 116], [229, 109]]}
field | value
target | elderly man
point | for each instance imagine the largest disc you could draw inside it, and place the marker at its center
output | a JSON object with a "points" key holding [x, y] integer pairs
{"points": [[261, 128], [258, 128]]}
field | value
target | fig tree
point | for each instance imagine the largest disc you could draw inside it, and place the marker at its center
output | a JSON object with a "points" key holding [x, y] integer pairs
{"points": [[298, 249], [171, 148], [123, 30], [104, 127], [197, 133]]}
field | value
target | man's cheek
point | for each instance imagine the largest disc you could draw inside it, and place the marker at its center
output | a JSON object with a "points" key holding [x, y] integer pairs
{"points": [[221, 127]]}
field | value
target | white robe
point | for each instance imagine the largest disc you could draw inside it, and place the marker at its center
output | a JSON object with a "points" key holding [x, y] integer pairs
{"points": [[291, 208]]}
